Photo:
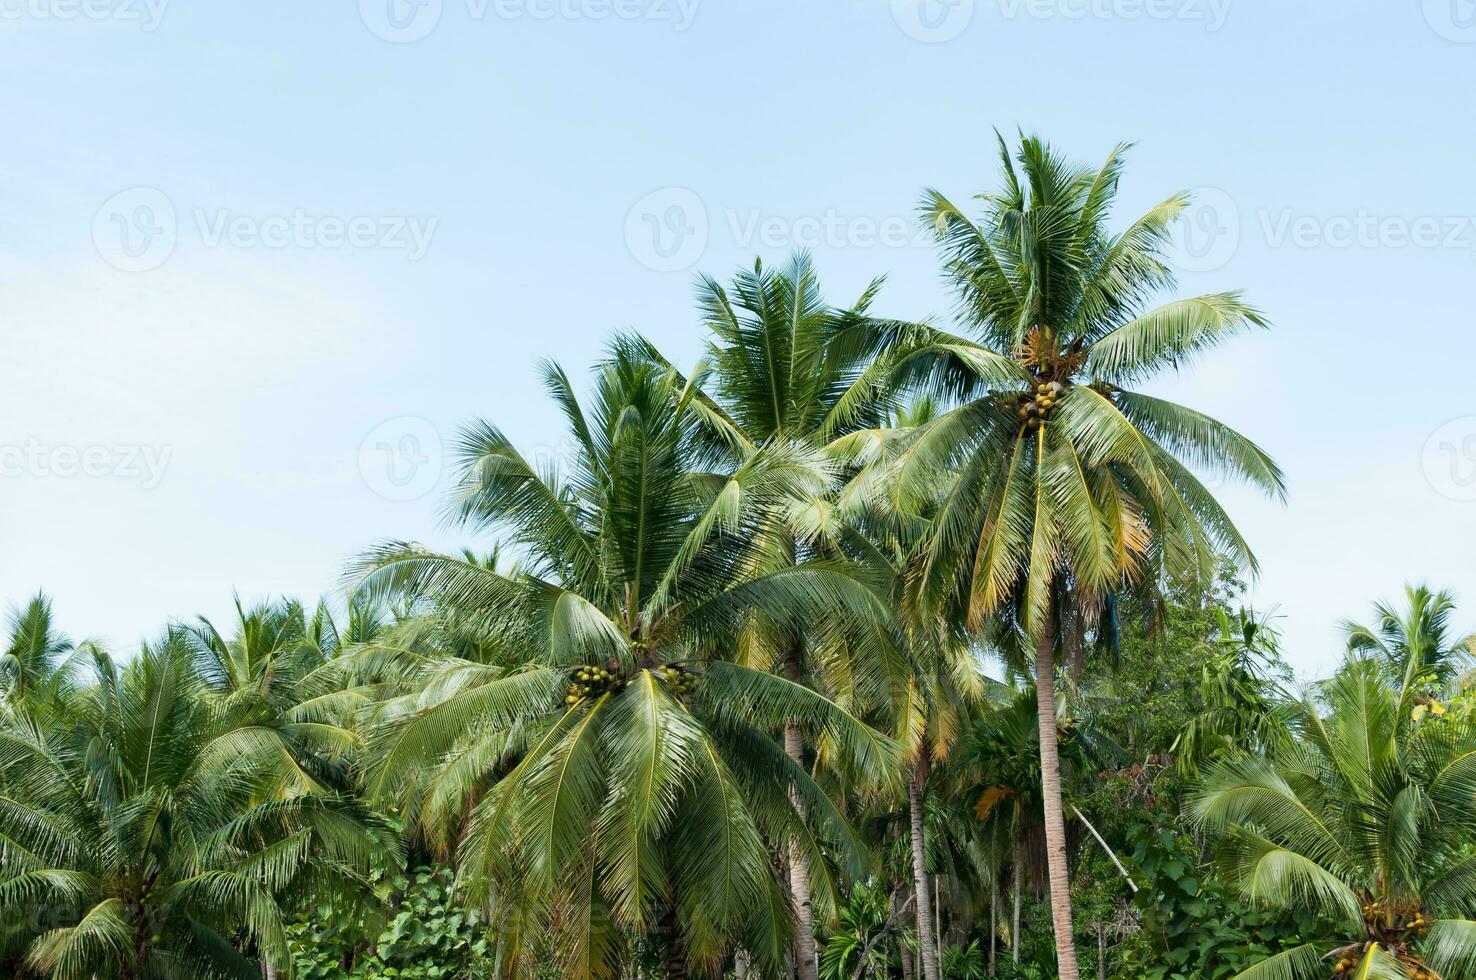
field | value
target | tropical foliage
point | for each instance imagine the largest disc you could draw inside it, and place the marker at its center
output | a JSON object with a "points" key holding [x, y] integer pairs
{"points": [[859, 648]]}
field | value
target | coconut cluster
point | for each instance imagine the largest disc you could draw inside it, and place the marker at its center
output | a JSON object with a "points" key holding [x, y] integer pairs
{"points": [[1427, 705], [591, 680], [679, 679], [1036, 409]]}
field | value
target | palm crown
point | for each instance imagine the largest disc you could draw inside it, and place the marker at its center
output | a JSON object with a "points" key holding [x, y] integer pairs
{"points": [[1366, 819], [1414, 645], [1055, 468], [621, 758]]}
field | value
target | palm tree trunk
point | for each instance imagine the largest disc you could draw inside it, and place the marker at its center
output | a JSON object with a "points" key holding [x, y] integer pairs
{"points": [[806, 962], [926, 923], [741, 968], [1019, 884], [905, 956], [993, 914], [1101, 953], [674, 956], [1055, 822], [806, 956]]}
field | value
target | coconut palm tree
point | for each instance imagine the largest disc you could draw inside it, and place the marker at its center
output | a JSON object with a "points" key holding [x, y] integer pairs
{"points": [[1368, 819], [1064, 486], [147, 832], [789, 369], [31, 663], [943, 683], [1414, 644], [613, 756], [268, 674]]}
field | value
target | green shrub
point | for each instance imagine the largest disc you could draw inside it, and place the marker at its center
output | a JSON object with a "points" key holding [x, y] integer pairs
{"points": [[423, 933]]}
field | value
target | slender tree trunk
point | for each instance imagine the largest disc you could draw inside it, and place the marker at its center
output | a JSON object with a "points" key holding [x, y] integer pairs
{"points": [[927, 928], [674, 957], [1019, 884], [1055, 822], [268, 971], [993, 916], [1101, 954], [806, 956], [904, 954]]}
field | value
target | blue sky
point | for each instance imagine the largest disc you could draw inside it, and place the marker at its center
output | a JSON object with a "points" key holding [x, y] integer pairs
{"points": [[258, 261]]}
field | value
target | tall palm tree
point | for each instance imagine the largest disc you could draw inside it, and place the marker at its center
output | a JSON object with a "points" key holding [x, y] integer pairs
{"points": [[1063, 486], [148, 828], [1414, 644], [1368, 820], [614, 758], [788, 369], [944, 682]]}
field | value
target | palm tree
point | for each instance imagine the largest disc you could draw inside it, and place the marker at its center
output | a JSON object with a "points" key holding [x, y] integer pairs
{"points": [[1242, 700], [149, 831], [944, 682], [1367, 820], [788, 369], [1414, 644], [614, 759], [268, 675], [1064, 487], [30, 665]]}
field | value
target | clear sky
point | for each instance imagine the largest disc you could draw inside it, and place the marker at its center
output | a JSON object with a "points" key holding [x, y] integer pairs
{"points": [[258, 260]]}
